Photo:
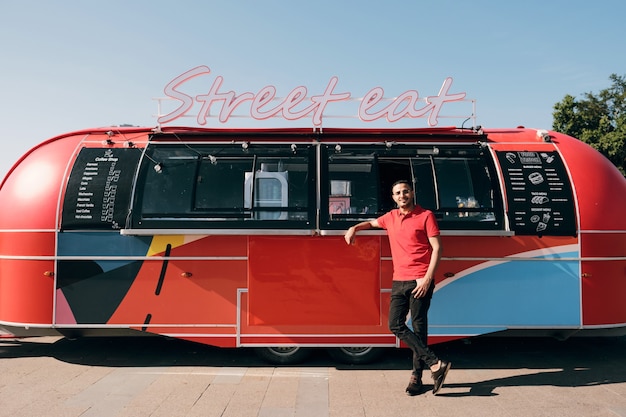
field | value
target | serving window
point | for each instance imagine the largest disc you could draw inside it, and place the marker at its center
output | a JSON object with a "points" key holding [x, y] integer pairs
{"points": [[219, 186], [457, 183]]}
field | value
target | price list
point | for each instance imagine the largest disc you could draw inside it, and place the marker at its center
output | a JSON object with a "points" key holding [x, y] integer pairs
{"points": [[98, 190]]}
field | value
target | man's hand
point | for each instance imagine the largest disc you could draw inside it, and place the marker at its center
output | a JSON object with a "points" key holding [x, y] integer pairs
{"points": [[351, 232], [420, 290], [349, 236]]}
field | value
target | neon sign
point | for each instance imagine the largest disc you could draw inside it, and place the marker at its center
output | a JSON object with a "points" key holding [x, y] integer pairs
{"points": [[297, 105]]}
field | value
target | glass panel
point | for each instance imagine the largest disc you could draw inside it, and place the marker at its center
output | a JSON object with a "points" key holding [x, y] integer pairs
{"points": [[169, 182], [220, 184], [279, 190], [464, 189], [352, 188], [392, 169], [424, 183]]}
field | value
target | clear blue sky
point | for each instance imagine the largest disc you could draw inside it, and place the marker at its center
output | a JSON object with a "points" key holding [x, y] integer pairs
{"points": [[69, 65]]}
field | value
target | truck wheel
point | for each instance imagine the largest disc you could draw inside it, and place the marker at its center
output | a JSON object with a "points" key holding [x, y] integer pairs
{"points": [[355, 355], [283, 355]]}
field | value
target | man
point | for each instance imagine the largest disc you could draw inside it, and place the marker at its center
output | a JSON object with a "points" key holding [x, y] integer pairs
{"points": [[415, 250]]}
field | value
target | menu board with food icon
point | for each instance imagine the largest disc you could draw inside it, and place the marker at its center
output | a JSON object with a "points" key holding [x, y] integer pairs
{"points": [[538, 193]]}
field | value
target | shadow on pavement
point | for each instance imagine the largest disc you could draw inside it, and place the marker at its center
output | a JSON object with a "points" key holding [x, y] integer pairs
{"points": [[539, 362], [542, 361]]}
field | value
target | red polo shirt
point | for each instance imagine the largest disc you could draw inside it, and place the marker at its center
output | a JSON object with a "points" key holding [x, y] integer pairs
{"points": [[408, 238]]}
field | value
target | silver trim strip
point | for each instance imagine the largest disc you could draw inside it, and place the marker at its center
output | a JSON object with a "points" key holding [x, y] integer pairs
{"points": [[123, 258], [443, 232], [217, 232], [245, 258]]}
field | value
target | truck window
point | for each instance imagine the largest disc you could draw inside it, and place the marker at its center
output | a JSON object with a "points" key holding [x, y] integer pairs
{"points": [[457, 184], [209, 186]]}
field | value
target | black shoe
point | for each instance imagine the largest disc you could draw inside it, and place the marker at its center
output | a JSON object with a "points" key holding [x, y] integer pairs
{"points": [[415, 386], [440, 375]]}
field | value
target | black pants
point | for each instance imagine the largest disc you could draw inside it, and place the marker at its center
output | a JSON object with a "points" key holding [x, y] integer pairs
{"points": [[402, 301]]}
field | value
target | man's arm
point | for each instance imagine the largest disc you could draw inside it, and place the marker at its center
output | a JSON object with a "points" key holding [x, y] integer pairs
{"points": [[423, 284], [351, 232]]}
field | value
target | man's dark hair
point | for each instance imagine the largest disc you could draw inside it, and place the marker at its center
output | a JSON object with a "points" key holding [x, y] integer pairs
{"points": [[407, 182]]}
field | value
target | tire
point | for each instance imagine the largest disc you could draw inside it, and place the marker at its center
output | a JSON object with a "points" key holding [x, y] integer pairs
{"points": [[283, 355], [355, 355]]}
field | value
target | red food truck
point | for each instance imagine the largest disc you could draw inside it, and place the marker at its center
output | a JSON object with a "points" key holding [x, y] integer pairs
{"points": [[234, 237]]}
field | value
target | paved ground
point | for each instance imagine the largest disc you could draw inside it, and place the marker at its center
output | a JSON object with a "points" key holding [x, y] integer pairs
{"points": [[154, 377]]}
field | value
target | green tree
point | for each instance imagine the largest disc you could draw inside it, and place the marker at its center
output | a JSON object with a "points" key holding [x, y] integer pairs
{"points": [[597, 119]]}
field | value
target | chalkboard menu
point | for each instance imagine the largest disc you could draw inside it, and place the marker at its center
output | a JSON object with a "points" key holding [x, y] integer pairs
{"points": [[98, 191], [539, 193]]}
